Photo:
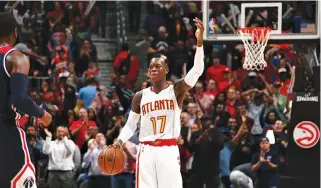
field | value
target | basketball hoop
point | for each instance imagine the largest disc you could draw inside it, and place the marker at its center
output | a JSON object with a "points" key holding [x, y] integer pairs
{"points": [[255, 40]]}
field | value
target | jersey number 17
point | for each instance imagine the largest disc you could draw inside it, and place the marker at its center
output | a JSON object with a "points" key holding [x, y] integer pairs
{"points": [[162, 120]]}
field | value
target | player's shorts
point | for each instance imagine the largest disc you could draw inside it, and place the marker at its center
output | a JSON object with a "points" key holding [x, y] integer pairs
{"points": [[158, 165], [16, 168]]}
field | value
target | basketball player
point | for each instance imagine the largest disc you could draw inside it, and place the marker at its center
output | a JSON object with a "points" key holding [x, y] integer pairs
{"points": [[159, 107], [16, 168]]}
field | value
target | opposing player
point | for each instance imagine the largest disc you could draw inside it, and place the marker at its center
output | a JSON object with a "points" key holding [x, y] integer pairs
{"points": [[16, 169], [159, 107]]}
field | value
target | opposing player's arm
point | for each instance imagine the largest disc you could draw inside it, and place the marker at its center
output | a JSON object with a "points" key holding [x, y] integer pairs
{"points": [[133, 118], [18, 66], [183, 85]]}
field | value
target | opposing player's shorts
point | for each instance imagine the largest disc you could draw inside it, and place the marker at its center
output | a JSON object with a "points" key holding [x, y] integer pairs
{"points": [[158, 165], [16, 168]]}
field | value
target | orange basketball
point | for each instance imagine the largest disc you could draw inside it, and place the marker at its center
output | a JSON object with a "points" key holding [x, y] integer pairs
{"points": [[111, 161]]}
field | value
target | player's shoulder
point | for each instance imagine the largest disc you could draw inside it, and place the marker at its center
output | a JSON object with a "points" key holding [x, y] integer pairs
{"points": [[16, 56]]}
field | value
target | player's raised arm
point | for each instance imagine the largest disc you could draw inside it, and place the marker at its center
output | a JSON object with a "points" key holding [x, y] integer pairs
{"points": [[18, 65], [183, 85], [131, 125]]}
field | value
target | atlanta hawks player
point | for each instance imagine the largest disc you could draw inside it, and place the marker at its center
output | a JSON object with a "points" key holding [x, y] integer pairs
{"points": [[159, 107]]}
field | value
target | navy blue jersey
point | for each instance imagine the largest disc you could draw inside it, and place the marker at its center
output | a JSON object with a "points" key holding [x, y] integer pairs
{"points": [[8, 113]]}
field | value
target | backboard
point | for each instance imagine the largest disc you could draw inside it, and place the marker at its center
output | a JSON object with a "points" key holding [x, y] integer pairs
{"points": [[289, 20]]}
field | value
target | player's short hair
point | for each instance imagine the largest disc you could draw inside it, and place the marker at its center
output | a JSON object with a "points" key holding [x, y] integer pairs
{"points": [[8, 23], [159, 55]]}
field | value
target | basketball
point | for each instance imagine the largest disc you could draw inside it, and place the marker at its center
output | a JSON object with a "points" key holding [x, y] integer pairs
{"points": [[111, 161]]}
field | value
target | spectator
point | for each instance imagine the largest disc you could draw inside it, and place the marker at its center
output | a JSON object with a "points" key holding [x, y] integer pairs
{"points": [[80, 127], [154, 21], [185, 128], [206, 145], [211, 90], [126, 63], [96, 179], [215, 71], [91, 134], [219, 115], [230, 141], [192, 109], [122, 94], [88, 53], [204, 101], [178, 60], [92, 71], [101, 99], [228, 81], [184, 156], [35, 154], [265, 164], [256, 108], [38, 141], [160, 43], [61, 162], [88, 93]]}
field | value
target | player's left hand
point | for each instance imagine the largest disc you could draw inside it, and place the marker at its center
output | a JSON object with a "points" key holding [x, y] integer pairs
{"points": [[200, 29]]}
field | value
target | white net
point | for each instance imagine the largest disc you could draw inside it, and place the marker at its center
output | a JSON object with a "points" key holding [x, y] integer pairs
{"points": [[255, 40]]}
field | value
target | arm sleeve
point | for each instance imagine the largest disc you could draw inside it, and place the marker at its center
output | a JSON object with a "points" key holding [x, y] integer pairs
{"points": [[198, 68], [20, 98], [130, 127]]}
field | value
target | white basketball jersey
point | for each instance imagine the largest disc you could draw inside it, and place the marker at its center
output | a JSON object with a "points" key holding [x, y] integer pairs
{"points": [[160, 115]]}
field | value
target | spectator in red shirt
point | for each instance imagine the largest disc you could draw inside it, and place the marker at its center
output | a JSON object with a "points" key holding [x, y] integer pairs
{"points": [[211, 90], [228, 81], [79, 128], [133, 67], [231, 102], [241, 73], [216, 71]]}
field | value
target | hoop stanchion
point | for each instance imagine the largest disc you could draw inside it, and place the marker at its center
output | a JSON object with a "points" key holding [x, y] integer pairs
{"points": [[255, 40]]}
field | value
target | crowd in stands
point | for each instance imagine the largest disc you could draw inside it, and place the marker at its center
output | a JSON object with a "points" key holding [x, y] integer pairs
{"points": [[225, 116]]}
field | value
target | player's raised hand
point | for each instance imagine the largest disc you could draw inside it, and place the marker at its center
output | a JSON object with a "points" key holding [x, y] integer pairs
{"points": [[46, 119], [200, 30]]}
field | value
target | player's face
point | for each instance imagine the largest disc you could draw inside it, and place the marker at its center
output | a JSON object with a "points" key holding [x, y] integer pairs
{"points": [[157, 69]]}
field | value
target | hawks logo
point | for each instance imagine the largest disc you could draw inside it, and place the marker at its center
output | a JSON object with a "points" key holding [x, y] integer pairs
{"points": [[306, 134], [29, 182]]}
